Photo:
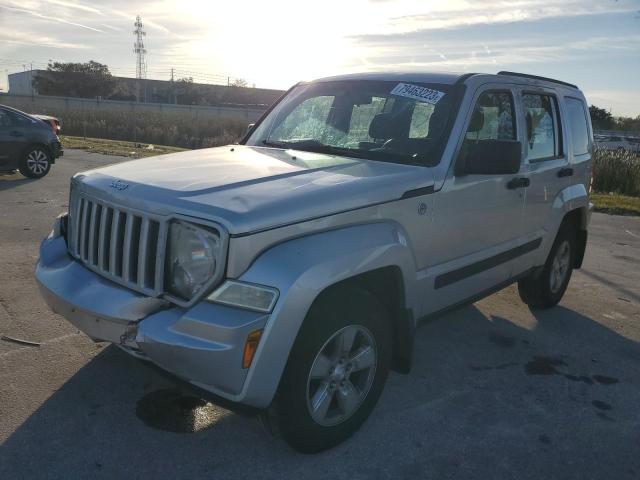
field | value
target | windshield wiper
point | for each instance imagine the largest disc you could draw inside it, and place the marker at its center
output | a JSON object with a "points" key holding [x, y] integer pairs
{"points": [[316, 146], [271, 143]]}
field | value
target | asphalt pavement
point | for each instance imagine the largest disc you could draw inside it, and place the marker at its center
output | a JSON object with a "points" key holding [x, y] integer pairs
{"points": [[497, 391]]}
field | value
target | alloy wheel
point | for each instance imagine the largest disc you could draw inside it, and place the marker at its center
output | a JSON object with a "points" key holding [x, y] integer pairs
{"points": [[37, 162], [560, 266], [341, 375]]}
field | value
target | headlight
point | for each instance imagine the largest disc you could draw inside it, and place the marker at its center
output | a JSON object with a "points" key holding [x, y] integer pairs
{"points": [[245, 295], [193, 254]]}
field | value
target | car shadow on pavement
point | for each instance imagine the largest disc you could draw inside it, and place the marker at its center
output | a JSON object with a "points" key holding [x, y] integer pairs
{"points": [[11, 180], [611, 284], [487, 397]]}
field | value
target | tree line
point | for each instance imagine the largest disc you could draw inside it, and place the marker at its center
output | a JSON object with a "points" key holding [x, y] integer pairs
{"points": [[94, 80]]}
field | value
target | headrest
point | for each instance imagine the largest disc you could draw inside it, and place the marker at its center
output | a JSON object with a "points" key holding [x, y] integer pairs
{"points": [[384, 127], [437, 122], [477, 121]]}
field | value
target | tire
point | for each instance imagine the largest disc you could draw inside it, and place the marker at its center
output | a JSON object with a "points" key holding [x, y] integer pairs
{"points": [[545, 288], [36, 162], [335, 318]]}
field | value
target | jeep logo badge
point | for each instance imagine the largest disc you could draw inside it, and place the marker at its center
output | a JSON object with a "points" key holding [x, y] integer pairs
{"points": [[119, 185]]}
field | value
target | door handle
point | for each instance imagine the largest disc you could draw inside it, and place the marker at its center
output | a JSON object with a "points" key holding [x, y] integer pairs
{"points": [[521, 182], [565, 172], [14, 133]]}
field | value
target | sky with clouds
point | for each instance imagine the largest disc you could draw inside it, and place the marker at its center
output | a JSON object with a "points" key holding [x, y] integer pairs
{"points": [[594, 43]]}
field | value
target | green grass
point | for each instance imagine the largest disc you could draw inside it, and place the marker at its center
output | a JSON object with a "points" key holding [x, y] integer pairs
{"points": [[616, 204], [616, 172], [116, 147]]}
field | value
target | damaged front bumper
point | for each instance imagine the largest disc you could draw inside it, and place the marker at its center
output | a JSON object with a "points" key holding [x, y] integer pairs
{"points": [[202, 345]]}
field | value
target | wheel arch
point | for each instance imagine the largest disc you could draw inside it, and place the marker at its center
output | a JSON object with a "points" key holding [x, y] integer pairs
{"points": [[303, 268], [31, 145], [572, 207], [578, 220], [386, 284]]}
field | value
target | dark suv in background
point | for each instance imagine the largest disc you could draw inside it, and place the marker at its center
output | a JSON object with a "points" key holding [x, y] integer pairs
{"points": [[26, 143]]}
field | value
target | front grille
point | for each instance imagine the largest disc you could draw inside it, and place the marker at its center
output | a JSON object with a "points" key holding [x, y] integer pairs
{"points": [[120, 244]]}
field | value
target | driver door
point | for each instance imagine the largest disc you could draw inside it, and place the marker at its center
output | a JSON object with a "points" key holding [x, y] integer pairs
{"points": [[477, 218]]}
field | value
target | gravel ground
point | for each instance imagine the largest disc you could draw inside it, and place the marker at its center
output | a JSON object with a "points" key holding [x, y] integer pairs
{"points": [[497, 391]]}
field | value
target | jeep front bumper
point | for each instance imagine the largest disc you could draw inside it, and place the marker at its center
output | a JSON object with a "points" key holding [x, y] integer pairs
{"points": [[202, 345]]}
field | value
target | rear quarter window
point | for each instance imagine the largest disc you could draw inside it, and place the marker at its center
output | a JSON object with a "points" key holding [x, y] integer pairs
{"points": [[577, 116]]}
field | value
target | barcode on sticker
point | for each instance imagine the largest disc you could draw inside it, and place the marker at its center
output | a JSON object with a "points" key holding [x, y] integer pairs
{"points": [[422, 94]]}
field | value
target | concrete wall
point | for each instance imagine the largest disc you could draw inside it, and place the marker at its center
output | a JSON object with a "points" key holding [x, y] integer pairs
{"points": [[157, 91], [57, 105]]}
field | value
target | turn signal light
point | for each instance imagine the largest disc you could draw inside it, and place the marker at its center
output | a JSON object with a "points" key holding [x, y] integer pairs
{"points": [[250, 348]]}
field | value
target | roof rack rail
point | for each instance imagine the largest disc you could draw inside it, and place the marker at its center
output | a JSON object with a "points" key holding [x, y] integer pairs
{"points": [[536, 77]]}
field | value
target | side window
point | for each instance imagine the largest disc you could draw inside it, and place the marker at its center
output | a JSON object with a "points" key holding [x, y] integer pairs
{"points": [[16, 120], [543, 130], [578, 125], [5, 121], [493, 118], [419, 126]]}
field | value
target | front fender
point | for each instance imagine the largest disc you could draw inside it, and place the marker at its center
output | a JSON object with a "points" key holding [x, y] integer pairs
{"points": [[301, 269]]}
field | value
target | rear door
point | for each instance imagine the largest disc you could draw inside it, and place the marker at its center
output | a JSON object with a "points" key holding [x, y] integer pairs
{"points": [[546, 164], [13, 131], [477, 218], [6, 141]]}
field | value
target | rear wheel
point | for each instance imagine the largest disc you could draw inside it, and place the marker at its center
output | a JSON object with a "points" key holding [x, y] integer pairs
{"points": [[36, 162], [545, 288], [336, 371]]}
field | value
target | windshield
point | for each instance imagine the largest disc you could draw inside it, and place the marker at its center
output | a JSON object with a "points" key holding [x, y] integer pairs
{"points": [[379, 120]]}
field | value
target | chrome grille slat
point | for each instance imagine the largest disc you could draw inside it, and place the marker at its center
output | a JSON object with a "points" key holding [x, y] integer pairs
{"points": [[122, 245], [160, 251], [91, 251], [126, 248], [113, 247], [101, 238], [84, 223], [142, 253]]}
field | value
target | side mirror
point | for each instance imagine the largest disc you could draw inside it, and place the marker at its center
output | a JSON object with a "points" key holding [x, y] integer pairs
{"points": [[250, 127], [489, 157]]}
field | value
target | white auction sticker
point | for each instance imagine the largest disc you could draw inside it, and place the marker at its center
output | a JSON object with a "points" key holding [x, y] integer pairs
{"points": [[422, 94]]}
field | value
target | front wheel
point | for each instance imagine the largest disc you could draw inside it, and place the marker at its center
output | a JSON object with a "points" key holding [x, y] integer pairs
{"points": [[336, 371], [545, 289], [36, 162]]}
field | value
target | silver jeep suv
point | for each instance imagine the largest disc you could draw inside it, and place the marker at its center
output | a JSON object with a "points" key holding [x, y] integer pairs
{"points": [[288, 273]]}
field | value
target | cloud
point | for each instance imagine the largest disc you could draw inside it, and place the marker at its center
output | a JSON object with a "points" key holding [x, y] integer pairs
{"points": [[480, 12], [76, 6], [41, 41], [48, 18]]}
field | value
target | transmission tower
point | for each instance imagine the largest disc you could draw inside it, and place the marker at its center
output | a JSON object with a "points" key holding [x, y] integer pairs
{"points": [[139, 50]]}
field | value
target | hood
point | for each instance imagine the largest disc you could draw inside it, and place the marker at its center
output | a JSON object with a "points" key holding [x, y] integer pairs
{"points": [[252, 188]]}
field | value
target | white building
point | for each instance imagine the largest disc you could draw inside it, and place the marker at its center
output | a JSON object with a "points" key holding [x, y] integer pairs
{"points": [[21, 83]]}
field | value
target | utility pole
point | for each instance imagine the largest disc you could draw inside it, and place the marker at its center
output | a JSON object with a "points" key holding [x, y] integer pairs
{"points": [[140, 51], [173, 98]]}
